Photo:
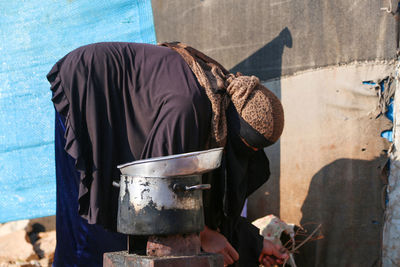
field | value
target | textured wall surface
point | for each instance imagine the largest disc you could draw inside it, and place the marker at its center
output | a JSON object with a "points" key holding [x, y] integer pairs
{"points": [[33, 36], [269, 38], [329, 167], [314, 55]]}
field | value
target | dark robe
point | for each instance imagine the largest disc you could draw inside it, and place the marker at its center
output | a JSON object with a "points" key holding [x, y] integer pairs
{"points": [[78, 243], [243, 170], [124, 102]]}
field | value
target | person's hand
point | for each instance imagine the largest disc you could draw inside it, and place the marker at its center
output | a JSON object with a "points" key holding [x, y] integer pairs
{"points": [[214, 242], [272, 254]]}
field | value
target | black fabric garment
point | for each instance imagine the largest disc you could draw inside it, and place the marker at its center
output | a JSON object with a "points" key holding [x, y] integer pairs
{"points": [[241, 173], [252, 137], [245, 238], [124, 102], [243, 170]]}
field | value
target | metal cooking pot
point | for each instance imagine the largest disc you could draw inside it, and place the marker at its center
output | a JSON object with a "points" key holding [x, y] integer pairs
{"points": [[156, 200]]}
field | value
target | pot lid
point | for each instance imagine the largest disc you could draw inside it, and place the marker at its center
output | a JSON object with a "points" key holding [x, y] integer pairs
{"points": [[192, 163]]}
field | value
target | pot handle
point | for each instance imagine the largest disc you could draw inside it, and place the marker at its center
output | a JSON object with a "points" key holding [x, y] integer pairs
{"points": [[181, 187]]}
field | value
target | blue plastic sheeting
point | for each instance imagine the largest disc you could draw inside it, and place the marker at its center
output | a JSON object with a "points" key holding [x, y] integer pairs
{"points": [[389, 133], [34, 35], [389, 113]]}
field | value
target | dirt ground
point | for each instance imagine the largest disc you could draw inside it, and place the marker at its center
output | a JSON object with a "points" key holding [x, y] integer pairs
{"points": [[28, 242]]}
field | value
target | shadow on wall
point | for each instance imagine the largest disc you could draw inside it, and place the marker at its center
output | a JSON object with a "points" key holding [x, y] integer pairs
{"points": [[266, 64], [345, 197]]}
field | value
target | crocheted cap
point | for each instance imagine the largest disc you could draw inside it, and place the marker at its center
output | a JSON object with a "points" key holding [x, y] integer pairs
{"points": [[258, 108]]}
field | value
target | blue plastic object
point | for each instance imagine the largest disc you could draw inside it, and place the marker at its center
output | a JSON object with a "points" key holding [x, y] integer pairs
{"points": [[389, 113], [34, 35]]}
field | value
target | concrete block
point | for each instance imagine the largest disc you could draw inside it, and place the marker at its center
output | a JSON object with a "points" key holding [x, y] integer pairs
{"points": [[119, 259]]}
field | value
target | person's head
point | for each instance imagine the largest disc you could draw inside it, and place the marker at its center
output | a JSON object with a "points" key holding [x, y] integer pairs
{"points": [[255, 115], [259, 121]]}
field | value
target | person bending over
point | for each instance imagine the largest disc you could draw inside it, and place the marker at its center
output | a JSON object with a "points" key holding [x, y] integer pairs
{"points": [[119, 102]]}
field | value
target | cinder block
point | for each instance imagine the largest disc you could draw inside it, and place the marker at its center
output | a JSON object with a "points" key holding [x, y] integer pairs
{"points": [[122, 258]]}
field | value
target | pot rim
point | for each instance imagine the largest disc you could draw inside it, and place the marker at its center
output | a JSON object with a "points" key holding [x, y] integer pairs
{"points": [[184, 164]]}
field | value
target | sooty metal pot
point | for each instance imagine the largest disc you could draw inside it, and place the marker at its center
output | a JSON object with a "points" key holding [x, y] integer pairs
{"points": [[156, 200], [160, 205]]}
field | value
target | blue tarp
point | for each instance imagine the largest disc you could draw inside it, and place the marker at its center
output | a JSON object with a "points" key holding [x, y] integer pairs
{"points": [[389, 113], [34, 35]]}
